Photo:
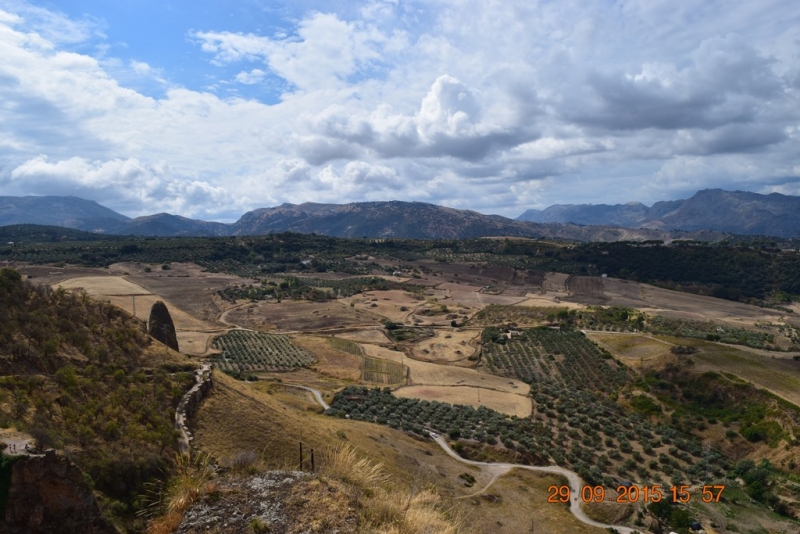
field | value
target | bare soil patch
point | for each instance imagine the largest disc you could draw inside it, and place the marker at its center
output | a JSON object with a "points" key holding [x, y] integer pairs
{"points": [[507, 403], [395, 305], [447, 345], [186, 285], [472, 297], [300, 316], [373, 335], [425, 373], [330, 362], [632, 348], [659, 301]]}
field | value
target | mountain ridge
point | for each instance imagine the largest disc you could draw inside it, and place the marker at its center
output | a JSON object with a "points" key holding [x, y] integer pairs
{"points": [[709, 215], [737, 212]]}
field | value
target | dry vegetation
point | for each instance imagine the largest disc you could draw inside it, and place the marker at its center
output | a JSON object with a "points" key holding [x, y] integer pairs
{"points": [[446, 346], [300, 316]]}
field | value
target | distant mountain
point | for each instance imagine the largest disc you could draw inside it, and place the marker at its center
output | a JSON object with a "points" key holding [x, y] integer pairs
{"points": [[394, 219], [413, 220], [736, 212], [164, 225], [625, 215], [69, 212]]}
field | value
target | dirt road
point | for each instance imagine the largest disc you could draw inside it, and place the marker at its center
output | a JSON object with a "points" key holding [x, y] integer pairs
{"points": [[499, 469]]}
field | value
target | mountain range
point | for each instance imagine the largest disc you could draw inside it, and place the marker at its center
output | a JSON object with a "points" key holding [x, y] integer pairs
{"points": [[736, 212], [709, 215]]}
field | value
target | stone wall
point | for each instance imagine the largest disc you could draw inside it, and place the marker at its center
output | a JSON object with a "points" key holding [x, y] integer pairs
{"points": [[189, 403]]}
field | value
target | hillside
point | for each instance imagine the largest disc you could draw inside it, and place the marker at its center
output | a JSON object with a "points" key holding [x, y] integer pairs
{"points": [[736, 212], [83, 377], [69, 212], [395, 219]]}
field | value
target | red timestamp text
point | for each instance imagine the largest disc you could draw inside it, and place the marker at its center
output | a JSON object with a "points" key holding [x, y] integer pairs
{"points": [[633, 494]]}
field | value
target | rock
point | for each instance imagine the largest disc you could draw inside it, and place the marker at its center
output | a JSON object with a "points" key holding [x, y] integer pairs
{"points": [[161, 327], [48, 494]]}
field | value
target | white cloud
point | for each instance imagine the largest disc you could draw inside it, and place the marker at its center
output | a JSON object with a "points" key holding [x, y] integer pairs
{"points": [[488, 105], [252, 77], [325, 51]]}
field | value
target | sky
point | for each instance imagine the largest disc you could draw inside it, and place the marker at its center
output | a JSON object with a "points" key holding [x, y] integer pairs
{"points": [[211, 108]]}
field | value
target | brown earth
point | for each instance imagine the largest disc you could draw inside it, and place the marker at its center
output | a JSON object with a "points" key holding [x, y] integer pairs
{"points": [[500, 401], [395, 305], [330, 362], [300, 316], [448, 345]]}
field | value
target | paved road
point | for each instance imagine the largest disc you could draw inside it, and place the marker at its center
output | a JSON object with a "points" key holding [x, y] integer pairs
{"points": [[498, 469]]}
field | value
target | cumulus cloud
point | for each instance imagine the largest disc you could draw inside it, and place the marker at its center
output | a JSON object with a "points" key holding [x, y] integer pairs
{"points": [[127, 184], [323, 53], [490, 106]]}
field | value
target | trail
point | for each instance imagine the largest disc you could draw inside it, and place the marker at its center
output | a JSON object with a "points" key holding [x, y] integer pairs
{"points": [[499, 469]]}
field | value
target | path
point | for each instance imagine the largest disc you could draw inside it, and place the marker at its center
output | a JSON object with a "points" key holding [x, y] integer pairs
{"points": [[499, 469], [575, 483], [19, 444], [315, 392]]}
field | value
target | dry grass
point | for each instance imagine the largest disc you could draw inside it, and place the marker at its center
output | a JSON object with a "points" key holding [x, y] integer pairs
{"points": [[425, 373], [521, 507], [384, 507], [395, 305], [777, 373], [446, 346], [330, 362], [193, 334], [192, 481], [633, 349], [300, 316]]}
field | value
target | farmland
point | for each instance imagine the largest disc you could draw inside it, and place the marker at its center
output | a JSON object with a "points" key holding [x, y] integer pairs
{"points": [[491, 355], [575, 429], [550, 356], [245, 351], [374, 370]]}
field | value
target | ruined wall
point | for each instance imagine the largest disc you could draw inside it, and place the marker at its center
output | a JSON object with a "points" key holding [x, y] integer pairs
{"points": [[189, 403]]}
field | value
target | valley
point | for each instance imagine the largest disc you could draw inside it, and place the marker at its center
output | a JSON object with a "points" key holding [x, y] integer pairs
{"points": [[617, 381]]}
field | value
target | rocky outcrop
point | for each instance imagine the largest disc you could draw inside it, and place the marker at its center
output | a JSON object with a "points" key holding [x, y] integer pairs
{"points": [[189, 403], [161, 327], [49, 495]]}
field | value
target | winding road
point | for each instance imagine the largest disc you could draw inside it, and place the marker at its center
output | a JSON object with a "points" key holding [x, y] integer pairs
{"points": [[499, 469]]}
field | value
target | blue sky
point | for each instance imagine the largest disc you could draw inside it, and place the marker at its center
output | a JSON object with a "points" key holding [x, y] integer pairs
{"points": [[208, 109]]}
